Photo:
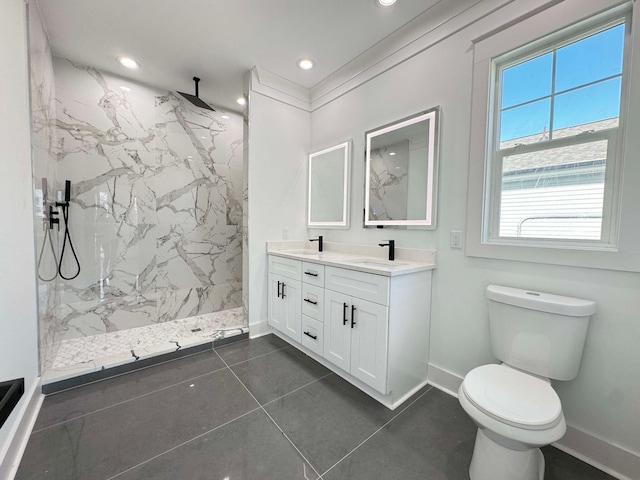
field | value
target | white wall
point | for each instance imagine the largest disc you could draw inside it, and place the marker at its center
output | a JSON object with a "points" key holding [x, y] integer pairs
{"points": [[18, 312], [603, 400], [278, 144]]}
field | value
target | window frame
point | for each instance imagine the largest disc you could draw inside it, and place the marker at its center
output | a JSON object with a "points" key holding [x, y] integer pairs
{"points": [[494, 158], [523, 25]]}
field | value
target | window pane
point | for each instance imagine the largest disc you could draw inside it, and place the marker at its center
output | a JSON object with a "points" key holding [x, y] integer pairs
{"points": [[590, 59], [590, 108], [527, 81], [556, 193], [525, 124]]}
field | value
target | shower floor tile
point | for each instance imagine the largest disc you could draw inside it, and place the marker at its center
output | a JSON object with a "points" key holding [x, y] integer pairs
{"points": [[78, 356], [201, 417]]}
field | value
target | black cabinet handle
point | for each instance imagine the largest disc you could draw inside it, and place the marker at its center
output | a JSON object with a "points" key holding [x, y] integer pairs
{"points": [[344, 314], [311, 273], [353, 315], [315, 337], [310, 301], [278, 288], [283, 285]]}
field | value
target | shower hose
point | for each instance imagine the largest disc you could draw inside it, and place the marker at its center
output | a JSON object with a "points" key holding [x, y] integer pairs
{"points": [[47, 237], [67, 237]]}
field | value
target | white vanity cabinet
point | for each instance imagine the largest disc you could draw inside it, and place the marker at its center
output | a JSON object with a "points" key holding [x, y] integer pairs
{"points": [[285, 309], [371, 329], [355, 337]]}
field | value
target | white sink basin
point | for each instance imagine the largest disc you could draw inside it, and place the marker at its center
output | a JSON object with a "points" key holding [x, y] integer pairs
{"points": [[378, 263]]}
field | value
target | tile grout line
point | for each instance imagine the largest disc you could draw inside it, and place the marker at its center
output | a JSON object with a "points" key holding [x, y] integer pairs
{"points": [[159, 389], [318, 476], [128, 372], [296, 389], [374, 433], [253, 358], [183, 443], [259, 407], [129, 399]]}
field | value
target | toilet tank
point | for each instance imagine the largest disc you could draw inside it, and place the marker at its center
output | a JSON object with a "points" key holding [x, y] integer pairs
{"points": [[537, 332]]}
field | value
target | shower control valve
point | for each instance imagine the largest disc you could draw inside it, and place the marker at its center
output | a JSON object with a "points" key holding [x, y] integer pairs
{"points": [[53, 220]]}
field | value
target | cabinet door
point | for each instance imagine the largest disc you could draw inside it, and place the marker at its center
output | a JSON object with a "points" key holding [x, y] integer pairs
{"points": [[369, 335], [337, 334], [276, 304], [292, 308]]}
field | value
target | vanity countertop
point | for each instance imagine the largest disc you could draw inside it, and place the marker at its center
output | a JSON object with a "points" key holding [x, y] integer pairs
{"points": [[352, 261]]}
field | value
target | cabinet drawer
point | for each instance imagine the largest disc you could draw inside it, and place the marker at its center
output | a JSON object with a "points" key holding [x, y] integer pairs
{"points": [[312, 328], [313, 273], [286, 267], [367, 286], [311, 294]]}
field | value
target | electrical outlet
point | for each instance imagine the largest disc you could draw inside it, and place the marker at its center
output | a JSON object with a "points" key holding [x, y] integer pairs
{"points": [[455, 241], [285, 233]]}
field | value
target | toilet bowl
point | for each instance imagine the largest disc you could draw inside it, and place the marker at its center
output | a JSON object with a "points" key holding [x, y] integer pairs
{"points": [[538, 337], [516, 413]]}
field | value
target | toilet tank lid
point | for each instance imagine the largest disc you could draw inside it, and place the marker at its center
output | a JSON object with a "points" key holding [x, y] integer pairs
{"points": [[543, 302]]}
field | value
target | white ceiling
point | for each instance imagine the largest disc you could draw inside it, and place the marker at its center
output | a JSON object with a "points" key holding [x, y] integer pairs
{"points": [[219, 40]]}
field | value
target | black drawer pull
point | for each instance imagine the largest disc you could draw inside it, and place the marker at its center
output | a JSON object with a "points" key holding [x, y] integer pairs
{"points": [[344, 314], [278, 288], [310, 301], [283, 285], [315, 337], [311, 273], [353, 315]]}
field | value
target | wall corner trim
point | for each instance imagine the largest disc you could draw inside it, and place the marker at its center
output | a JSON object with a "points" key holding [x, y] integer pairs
{"points": [[21, 431]]}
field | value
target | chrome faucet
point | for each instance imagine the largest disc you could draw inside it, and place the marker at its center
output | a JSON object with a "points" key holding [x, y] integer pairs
{"points": [[319, 240], [392, 248]]}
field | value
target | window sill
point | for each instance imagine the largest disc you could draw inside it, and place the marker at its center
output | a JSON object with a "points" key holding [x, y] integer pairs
{"points": [[601, 258]]}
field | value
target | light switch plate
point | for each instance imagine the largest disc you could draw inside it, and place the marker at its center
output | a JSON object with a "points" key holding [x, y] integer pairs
{"points": [[455, 241], [285, 233]]}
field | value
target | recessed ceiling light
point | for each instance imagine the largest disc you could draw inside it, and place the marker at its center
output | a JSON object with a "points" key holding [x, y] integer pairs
{"points": [[125, 89], [386, 3], [392, 153], [225, 117], [241, 101], [128, 62], [306, 63]]}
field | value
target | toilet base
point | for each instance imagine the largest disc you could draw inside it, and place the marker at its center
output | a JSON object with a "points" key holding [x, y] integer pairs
{"points": [[492, 461]]}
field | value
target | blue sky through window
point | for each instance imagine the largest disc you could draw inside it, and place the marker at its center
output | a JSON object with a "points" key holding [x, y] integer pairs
{"points": [[591, 59]]}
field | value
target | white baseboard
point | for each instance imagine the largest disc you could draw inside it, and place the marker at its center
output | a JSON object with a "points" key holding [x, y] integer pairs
{"points": [[19, 436], [259, 329], [605, 456], [443, 380], [609, 458]]}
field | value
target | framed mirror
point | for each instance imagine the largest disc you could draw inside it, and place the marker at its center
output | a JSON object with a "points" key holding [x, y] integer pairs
{"points": [[401, 172], [328, 187]]}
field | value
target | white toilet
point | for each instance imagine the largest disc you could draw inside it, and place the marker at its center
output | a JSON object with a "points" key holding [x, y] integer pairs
{"points": [[538, 337]]}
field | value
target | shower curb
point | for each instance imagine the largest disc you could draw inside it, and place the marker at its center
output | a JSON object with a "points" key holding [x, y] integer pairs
{"points": [[105, 373]]}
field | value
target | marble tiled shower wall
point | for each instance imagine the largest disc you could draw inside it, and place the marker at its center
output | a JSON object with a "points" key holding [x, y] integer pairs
{"points": [[156, 210]]}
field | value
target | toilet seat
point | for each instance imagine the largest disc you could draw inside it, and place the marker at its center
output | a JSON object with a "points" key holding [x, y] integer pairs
{"points": [[513, 397]]}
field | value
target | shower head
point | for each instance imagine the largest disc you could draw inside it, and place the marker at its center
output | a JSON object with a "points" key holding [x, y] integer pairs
{"points": [[195, 99]]}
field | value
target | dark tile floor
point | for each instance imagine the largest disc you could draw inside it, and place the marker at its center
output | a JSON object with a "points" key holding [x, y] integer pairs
{"points": [[257, 409]]}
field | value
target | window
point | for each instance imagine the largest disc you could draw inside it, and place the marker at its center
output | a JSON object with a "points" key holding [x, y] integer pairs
{"points": [[554, 141]]}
